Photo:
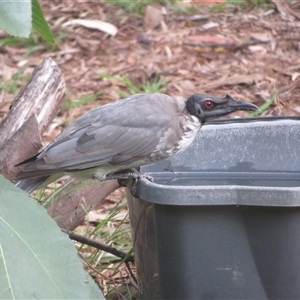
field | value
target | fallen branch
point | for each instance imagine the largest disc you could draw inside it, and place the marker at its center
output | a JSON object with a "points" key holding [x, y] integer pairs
{"points": [[31, 113], [87, 241], [76, 200]]}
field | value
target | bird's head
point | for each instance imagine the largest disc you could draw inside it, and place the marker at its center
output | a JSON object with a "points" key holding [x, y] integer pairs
{"points": [[205, 106]]}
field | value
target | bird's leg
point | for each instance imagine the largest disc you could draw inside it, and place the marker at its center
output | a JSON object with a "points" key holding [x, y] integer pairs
{"points": [[122, 175], [134, 174], [127, 174]]}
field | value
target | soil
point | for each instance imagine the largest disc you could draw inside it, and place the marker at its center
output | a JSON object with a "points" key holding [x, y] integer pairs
{"points": [[250, 52]]}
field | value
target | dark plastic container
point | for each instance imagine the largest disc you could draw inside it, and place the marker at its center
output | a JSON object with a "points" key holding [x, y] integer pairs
{"points": [[222, 219]]}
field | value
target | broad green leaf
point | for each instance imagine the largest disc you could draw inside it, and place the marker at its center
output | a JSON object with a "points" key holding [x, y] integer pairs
{"points": [[40, 24], [37, 261], [15, 17]]}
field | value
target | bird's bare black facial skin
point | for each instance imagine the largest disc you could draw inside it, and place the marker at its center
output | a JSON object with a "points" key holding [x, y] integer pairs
{"points": [[199, 104], [205, 106]]}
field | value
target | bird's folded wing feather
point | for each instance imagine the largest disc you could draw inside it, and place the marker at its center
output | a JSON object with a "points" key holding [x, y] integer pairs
{"points": [[115, 134]]}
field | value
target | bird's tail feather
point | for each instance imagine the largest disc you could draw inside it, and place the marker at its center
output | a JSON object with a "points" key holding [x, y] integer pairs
{"points": [[31, 184]]}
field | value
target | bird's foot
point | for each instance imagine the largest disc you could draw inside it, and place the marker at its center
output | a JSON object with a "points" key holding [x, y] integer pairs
{"points": [[129, 174], [134, 174]]}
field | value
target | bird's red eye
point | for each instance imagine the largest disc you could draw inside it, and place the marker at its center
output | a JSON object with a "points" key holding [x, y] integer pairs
{"points": [[208, 104]]}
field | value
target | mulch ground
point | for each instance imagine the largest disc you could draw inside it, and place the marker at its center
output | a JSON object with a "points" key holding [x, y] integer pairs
{"points": [[248, 51]]}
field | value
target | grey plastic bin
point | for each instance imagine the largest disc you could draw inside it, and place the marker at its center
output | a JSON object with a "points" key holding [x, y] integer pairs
{"points": [[222, 219]]}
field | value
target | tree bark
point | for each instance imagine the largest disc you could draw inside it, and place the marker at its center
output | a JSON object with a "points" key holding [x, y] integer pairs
{"points": [[31, 113], [74, 202]]}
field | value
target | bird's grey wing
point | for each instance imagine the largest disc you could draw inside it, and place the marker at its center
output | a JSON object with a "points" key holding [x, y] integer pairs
{"points": [[103, 145], [116, 134]]}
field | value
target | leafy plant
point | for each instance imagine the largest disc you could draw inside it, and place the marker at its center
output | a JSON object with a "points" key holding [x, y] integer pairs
{"points": [[11, 85], [183, 8], [112, 230], [265, 106], [250, 2], [37, 261], [71, 103], [137, 6], [154, 86], [19, 16], [39, 23]]}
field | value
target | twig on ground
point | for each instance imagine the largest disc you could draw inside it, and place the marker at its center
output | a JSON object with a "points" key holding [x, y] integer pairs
{"points": [[87, 241], [134, 282]]}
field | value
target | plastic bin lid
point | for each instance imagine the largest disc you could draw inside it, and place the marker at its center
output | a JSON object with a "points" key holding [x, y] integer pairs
{"points": [[232, 162]]}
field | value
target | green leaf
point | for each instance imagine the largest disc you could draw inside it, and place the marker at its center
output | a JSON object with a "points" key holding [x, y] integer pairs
{"points": [[15, 17], [40, 24], [37, 261], [265, 106]]}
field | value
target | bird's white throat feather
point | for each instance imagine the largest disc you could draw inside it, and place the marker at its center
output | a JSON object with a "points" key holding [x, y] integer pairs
{"points": [[190, 128]]}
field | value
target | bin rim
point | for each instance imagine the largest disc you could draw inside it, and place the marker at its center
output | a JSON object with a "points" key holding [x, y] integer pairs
{"points": [[251, 120], [218, 195]]}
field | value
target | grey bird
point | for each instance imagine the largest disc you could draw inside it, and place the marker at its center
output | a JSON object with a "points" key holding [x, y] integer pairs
{"points": [[126, 134]]}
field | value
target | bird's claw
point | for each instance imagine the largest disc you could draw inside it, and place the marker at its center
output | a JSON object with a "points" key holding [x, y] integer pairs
{"points": [[122, 178], [134, 185]]}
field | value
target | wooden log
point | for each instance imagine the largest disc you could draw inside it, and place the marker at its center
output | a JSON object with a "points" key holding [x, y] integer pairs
{"points": [[74, 202], [31, 113]]}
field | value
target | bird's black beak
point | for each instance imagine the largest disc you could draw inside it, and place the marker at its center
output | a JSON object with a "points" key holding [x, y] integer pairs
{"points": [[236, 104]]}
